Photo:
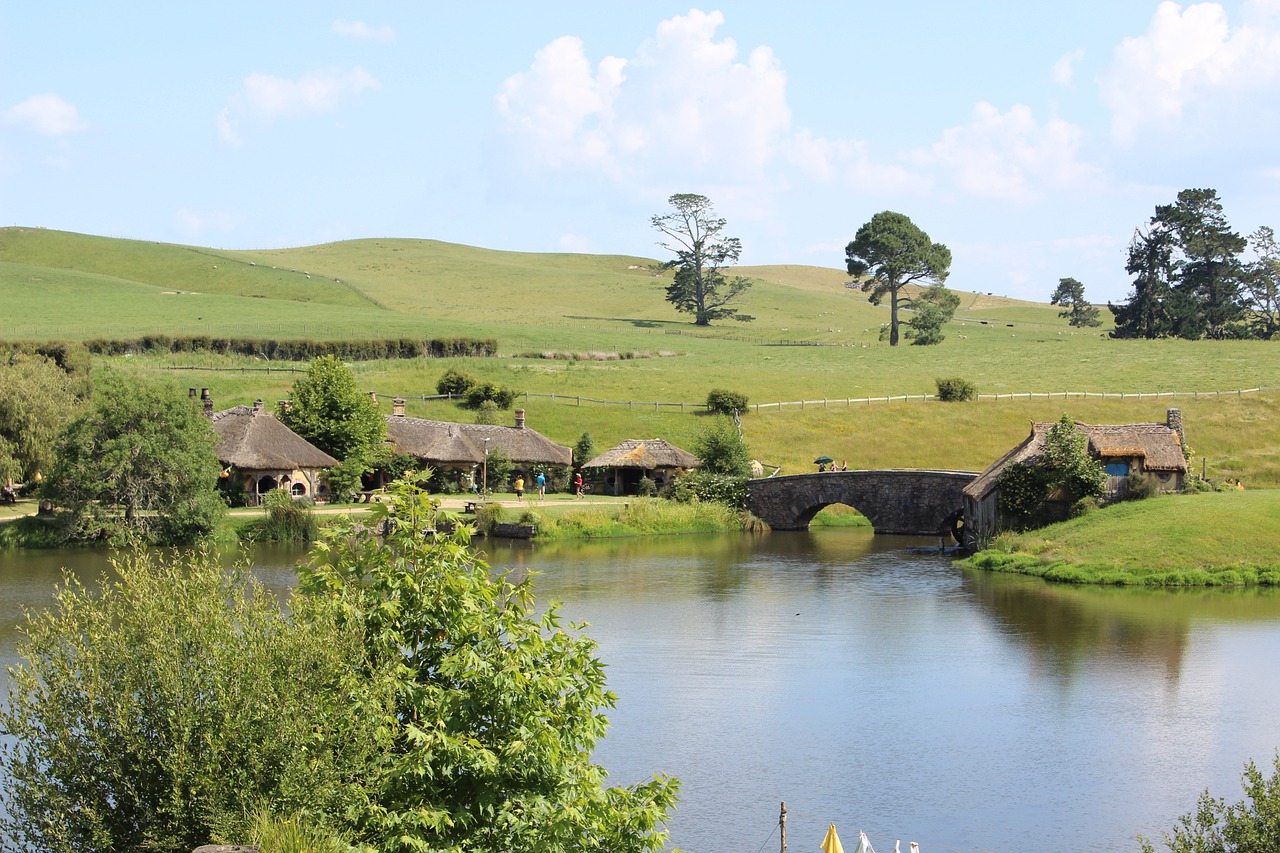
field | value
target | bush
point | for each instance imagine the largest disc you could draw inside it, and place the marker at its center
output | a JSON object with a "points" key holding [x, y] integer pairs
{"points": [[483, 392], [1252, 824], [1137, 488], [955, 390], [288, 520], [646, 488], [705, 486], [488, 517], [455, 382], [722, 402]]}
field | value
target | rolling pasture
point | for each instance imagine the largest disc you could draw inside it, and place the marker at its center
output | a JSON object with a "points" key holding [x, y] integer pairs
{"points": [[814, 341]]}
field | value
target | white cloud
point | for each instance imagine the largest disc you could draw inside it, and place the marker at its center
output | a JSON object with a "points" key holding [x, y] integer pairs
{"points": [[47, 114], [361, 30], [685, 105], [1064, 70], [268, 98], [849, 163], [1188, 56], [1009, 156]]}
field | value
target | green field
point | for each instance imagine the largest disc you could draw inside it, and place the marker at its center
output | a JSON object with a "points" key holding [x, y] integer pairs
{"points": [[814, 342]]}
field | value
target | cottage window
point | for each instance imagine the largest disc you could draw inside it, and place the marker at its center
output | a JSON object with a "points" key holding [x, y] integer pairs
{"points": [[1117, 469]]}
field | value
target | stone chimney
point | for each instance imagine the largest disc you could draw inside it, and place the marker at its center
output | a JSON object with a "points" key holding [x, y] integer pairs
{"points": [[1173, 419], [397, 407], [286, 406], [207, 401], [191, 393], [257, 405], [519, 418], [373, 395]]}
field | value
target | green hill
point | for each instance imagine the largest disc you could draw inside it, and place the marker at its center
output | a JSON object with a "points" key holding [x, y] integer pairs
{"points": [[815, 341]]}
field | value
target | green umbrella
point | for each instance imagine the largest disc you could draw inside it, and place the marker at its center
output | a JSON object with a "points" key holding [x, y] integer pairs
{"points": [[823, 460]]}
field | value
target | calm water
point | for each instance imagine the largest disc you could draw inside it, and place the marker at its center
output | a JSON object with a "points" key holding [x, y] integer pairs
{"points": [[880, 689]]}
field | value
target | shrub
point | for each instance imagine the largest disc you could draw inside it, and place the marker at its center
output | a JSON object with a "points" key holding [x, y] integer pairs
{"points": [[455, 382], [722, 402], [477, 394], [955, 390], [487, 413], [1137, 488], [288, 520], [488, 517], [705, 486], [646, 488]]}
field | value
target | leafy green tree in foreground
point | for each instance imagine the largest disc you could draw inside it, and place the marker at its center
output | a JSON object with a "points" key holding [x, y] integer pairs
{"points": [[328, 410], [496, 708], [890, 252], [160, 710], [1078, 311], [694, 235], [1251, 825], [721, 451], [1063, 473], [137, 465]]}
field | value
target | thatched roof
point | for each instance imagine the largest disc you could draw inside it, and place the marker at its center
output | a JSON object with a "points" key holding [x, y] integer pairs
{"points": [[252, 439], [1158, 445], [646, 454], [441, 443]]}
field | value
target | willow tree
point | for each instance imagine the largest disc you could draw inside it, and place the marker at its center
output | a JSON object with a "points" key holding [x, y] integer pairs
{"points": [[890, 252]]}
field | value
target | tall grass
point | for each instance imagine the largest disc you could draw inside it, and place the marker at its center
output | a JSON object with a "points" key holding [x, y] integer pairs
{"points": [[639, 517]]}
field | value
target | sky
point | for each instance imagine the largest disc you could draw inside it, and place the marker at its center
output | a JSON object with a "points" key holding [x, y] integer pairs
{"points": [[1030, 138]]}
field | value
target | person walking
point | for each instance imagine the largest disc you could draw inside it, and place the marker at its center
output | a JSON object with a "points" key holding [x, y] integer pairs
{"points": [[542, 485], [519, 487], [577, 484]]}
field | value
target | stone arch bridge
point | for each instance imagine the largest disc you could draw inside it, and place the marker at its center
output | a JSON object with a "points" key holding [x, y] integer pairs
{"points": [[909, 501]]}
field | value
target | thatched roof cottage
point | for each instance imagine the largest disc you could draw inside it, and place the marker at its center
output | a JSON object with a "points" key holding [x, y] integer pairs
{"points": [[1151, 450], [621, 467], [445, 445], [265, 454]]}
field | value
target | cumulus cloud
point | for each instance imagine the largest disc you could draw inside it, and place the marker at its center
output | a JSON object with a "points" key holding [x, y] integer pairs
{"points": [[849, 162], [1188, 56], [1064, 70], [1009, 156], [686, 103], [361, 30], [46, 114], [267, 98]]}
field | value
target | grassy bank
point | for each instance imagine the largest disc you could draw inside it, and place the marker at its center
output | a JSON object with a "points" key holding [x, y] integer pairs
{"points": [[639, 517], [1212, 539]]}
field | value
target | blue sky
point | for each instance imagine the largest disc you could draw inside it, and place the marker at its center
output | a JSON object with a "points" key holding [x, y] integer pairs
{"points": [[1030, 138]]}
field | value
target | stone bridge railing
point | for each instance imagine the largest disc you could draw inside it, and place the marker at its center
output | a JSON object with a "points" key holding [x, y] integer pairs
{"points": [[909, 501]]}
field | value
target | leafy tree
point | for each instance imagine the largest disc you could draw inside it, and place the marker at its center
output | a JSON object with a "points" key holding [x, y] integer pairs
{"points": [[329, 411], [932, 309], [723, 402], [496, 707], [890, 252], [455, 382], [1078, 311], [1062, 472], [498, 469], [721, 451], [138, 464], [1188, 273], [1262, 285], [37, 398], [155, 712], [694, 234], [584, 450], [1251, 825]]}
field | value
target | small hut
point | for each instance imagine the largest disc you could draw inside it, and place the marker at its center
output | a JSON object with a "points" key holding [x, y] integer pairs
{"points": [[264, 454], [620, 468]]}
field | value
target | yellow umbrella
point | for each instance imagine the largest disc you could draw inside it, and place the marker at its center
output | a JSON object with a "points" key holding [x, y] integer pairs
{"points": [[831, 844]]}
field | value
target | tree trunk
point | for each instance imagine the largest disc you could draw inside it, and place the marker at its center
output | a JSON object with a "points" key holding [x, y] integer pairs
{"points": [[893, 317]]}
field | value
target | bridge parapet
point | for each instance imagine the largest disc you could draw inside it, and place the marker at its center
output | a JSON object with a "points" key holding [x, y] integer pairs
{"points": [[910, 501]]}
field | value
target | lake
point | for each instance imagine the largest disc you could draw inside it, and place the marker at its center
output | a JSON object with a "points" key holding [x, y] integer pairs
{"points": [[873, 686]]}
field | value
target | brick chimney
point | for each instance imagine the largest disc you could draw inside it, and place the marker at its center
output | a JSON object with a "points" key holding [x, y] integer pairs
{"points": [[519, 418], [397, 407], [207, 401], [191, 393], [1173, 419]]}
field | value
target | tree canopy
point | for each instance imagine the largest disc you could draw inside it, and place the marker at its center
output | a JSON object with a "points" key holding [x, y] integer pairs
{"points": [[138, 464], [1077, 311], [890, 252], [37, 398], [328, 410], [700, 287]]}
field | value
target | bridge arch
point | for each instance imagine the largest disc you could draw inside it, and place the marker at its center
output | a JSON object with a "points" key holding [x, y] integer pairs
{"points": [[910, 501]]}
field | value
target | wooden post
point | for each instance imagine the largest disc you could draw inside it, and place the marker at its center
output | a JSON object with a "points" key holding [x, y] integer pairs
{"points": [[782, 823]]}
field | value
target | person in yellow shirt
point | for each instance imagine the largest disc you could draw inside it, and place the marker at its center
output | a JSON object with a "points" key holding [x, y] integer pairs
{"points": [[519, 487]]}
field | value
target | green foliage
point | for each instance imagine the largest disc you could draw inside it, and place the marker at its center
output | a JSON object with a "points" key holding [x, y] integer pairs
{"points": [[646, 488], [288, 520], [498, 469], [496, 708], [36, 399], [889, 252], [694, 234], [487, 413], [274, 349], [488, 517], [488, 392], [699, 485], [1138, 488], [1261, 282], [137, 465], [346, 479], [297, 833], [455, 382], [328, 410], [584, 450], [1078, 311], [721, 451], [1062, 474], [156, 713], [1251, 825], [722, 402], [932, 309], [953, 389]]}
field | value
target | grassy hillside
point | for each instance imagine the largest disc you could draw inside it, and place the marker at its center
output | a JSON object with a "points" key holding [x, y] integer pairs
{"points": [[814, 340]]}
